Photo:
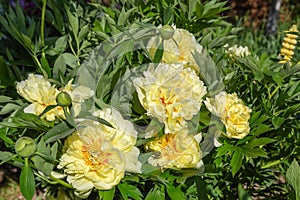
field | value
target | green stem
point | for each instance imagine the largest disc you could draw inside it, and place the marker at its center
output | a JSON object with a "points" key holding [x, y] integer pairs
{"points": [[43, 24], [274, 92]]}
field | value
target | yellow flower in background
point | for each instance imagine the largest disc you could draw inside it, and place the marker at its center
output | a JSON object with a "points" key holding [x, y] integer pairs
{"points": [[288, 45], [38, 91], [97, 156], [232, 112], [178, 48], [179, 150], [171, 93]]}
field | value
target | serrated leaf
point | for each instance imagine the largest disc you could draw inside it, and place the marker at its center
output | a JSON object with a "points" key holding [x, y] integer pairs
{"points": [[27, 181], [293, 177]]}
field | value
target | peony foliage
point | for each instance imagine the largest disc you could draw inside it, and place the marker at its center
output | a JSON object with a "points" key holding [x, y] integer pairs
{"points": [[135, 101]]}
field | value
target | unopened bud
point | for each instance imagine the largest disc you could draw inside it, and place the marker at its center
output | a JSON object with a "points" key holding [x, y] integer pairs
{"points": [[63, 99], [166, 32], [25, 146]]}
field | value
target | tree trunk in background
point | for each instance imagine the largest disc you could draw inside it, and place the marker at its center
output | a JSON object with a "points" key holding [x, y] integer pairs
{"points": [[272, 22]]}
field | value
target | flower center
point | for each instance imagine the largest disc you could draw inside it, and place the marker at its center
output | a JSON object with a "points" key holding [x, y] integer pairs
{"points": [[95, 158]]}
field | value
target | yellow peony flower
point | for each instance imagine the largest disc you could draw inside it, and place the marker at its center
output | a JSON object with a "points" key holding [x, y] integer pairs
{"points": [[96, 156], [232, 112], [178, 49], [39, 92], [171, 93], [179, 150]]}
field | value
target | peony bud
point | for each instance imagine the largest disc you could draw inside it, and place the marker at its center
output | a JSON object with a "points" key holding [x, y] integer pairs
{"points": [[166, 32], [63, 99], [25, 146]]}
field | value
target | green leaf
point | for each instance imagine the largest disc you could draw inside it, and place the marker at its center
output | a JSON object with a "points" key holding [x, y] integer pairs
{"points": [[124, 15], [277, 122], [42, 165], [9, 107], [175, 192], [293, 177], [271, 163], [59, 131], [61, 63], [253, 152], [201, 186], [4, 137], [73, 20], [27, 181], [259, 75], [192, 6], [45, 65], [168, 15], [159, 53], [107, 194], [6, 156], [261, 129], [127, 190], [236, 160], [157, 193], [6, 75], [224, 149], [5, 99], [243, 195], [260, 142]]}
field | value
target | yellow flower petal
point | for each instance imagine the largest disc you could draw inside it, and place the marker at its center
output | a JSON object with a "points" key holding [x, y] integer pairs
{"points": [[171, 93], [178, 49], [178, 150], [232, 112]]}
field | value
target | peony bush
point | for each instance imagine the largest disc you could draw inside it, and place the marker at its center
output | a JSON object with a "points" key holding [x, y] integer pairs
{"points": [[127, 100]]}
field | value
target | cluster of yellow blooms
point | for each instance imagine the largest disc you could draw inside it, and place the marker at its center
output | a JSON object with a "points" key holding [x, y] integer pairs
{"points": [[173, 93], [289, 44], [98, 156]]}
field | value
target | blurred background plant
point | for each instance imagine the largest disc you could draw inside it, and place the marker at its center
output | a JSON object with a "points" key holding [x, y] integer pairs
{"points": [[53, 38]]}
